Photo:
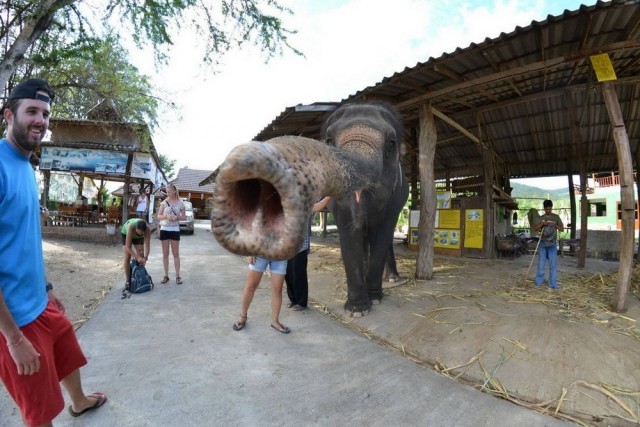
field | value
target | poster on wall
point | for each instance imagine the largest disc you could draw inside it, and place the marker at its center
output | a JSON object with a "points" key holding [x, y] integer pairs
{"points": [[143, 167], [159, 180], [473, 228], [414, 218], [83, 160], [448, 218], [446, 238], [443, 199]]}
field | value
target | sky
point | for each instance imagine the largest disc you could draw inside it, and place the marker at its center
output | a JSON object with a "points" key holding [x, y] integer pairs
{"points": [[347, 44]]}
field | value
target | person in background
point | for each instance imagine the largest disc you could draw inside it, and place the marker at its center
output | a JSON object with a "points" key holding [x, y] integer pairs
{"points": [[142, 208], [136, 243], [171, 211], [38, 346], [548, 224], [296, 277], [257, 266]]}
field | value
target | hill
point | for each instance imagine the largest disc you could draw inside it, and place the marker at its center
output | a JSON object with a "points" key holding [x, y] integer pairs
{"points": [[528, 196]]}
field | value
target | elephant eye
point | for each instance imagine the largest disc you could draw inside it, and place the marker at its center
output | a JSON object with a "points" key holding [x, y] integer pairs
{"points": [[330, 141], [390, 147]]}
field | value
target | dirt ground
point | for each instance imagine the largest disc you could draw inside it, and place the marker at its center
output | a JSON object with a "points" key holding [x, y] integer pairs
{"points": [[82, 274], [470, 298]]}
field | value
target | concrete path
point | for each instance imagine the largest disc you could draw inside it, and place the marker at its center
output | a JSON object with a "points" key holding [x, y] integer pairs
{"points": [[170, 357]]}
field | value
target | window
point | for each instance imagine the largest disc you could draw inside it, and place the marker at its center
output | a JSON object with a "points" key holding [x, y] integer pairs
{"points": [[597, 207]]}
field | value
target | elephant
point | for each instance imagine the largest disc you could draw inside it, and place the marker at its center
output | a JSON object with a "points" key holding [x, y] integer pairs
{"points": [[264, 192]]}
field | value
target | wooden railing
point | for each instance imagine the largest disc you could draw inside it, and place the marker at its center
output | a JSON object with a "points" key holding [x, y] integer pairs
{"points": [[610, 181]]}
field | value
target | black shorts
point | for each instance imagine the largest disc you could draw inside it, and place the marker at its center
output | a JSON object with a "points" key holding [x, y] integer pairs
{"points": [[169, 235], [136, 242]]}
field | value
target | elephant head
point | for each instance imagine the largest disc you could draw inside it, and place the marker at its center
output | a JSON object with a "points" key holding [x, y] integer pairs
{"points": [[265, 190]]}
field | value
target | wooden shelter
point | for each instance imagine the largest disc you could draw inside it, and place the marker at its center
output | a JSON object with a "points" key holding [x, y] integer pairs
{"points": [[556, 98], [103, 148]]}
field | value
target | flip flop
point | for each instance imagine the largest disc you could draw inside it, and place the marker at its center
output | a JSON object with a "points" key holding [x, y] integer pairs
{"points": [[101, 399], [179, 280], [165, 279], [284, 330], [239, 325], [298, 307]]}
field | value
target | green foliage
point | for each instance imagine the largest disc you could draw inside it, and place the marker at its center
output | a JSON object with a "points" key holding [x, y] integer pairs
{"points": [[167, 165], [221, 24], [74, 44], [91, 70]]}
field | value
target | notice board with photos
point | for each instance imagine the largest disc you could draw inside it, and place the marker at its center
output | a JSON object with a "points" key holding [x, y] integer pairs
{"points": [[446, 233]]}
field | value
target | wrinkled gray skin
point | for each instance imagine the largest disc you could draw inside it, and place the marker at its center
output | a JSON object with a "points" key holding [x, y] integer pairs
{"points": [[366, 219], [265, 190]]}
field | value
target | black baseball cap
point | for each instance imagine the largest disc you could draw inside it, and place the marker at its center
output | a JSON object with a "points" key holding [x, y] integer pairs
{"points": [[29, 89]]}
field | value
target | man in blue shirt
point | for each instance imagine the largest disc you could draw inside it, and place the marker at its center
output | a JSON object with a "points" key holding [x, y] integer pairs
{"points": [[38, 347]]}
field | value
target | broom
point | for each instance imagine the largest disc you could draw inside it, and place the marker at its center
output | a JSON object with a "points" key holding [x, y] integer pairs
{"points": [[533, 257]]}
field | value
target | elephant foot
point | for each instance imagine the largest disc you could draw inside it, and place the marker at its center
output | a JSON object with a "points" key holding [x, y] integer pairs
{"points": [[376, 301], [357, 313], [357, 310], [393, 278]]}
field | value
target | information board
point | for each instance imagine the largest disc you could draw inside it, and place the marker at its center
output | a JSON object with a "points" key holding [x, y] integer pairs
{"points": [[473, 228]]}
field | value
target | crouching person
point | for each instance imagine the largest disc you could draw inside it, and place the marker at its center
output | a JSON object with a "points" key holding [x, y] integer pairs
{"points": [[136, 243]]}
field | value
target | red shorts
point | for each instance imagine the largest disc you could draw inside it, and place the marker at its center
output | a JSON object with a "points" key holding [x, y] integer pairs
{"points": [[39, 396]]}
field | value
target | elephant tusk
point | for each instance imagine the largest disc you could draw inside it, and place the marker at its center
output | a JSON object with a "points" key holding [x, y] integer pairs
{"points": [[358, 194]]}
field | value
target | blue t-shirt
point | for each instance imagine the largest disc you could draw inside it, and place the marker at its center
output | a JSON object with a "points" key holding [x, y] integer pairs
{"points": [[22, 278]]}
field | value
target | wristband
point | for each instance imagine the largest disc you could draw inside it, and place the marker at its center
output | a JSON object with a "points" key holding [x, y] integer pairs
{"points": [[49, 287], [17, 343]]}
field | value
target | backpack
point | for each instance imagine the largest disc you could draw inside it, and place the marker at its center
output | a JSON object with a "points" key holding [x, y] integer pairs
{"points": [[140, 280]]}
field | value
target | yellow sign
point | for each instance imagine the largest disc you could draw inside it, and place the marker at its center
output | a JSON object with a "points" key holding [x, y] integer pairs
{"points": [[446, 239], [473, 228], [448, 218], [603, 67]]}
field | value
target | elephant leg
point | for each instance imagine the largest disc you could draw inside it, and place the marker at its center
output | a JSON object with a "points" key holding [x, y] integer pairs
{"points": [[395, 207], [391, 274], [353, 253], [379, 248]]}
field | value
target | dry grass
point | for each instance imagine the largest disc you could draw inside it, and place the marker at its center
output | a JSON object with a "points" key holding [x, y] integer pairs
{"points": [[580, 299]]}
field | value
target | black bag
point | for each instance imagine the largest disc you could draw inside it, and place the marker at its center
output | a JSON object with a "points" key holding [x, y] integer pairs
{"points": [[140, 280]]}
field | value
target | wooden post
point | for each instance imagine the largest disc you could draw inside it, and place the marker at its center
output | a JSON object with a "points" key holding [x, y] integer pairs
{"points": [[415, 170], [489, 217], [428, 203], [572, 206], [627, 198], [584, 205], [638, 189], [47, 185]]}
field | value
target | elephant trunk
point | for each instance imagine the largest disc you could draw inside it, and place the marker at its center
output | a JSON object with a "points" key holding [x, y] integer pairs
{"points": [[265, 191]]}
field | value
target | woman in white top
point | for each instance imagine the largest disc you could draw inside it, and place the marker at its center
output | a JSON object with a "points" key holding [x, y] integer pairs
{"points": [[143, 205], [171, 212]]}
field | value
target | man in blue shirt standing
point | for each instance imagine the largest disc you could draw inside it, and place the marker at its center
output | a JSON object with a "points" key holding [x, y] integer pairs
{"points": [[38, 347]]}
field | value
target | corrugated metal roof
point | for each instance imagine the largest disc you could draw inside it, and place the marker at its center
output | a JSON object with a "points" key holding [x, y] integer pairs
{"points": [[519, 93]]}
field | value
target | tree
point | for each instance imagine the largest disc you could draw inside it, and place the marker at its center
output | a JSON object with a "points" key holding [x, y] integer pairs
{"points": [[83, 74], [167, 165], [223, 24]]}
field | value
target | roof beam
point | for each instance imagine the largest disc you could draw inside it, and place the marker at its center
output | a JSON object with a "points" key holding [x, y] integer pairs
{"points": [[517, 71]]}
